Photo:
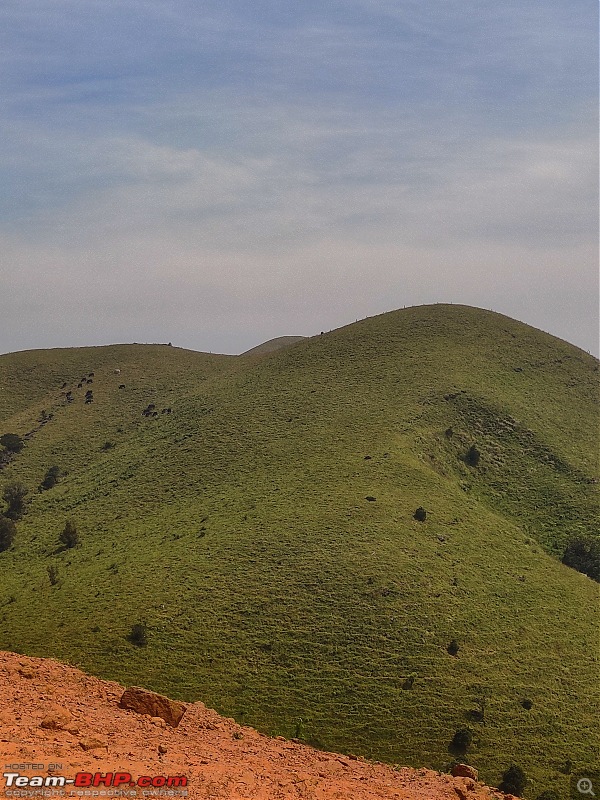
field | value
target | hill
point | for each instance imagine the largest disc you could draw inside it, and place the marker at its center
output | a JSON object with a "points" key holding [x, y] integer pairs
{"points": [[273, 344], [79, 725], [263, 532]]}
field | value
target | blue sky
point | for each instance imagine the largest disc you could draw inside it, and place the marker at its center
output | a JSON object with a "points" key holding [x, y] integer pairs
{"points": [[216, 174]]}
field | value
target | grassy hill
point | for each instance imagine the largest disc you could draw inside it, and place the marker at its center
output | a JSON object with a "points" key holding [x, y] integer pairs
{"points": [[263, 532], [273, 344]]}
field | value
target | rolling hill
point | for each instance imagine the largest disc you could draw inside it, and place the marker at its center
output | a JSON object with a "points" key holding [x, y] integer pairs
{"points": [[256, 516]]}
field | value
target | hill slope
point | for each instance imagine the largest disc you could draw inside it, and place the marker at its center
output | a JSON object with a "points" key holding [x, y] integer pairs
{"points": [[273, 344], [238, 529], [217, 757]]}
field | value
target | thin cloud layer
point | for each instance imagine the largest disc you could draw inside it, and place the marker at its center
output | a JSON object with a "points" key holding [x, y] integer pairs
{"points": [[218, 176]]}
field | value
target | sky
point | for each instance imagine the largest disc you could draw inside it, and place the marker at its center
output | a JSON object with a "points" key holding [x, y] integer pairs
{"points": [[215, 174]]}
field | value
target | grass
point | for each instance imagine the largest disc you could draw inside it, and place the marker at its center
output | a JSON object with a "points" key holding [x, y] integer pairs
{"points": [[237, 530]]}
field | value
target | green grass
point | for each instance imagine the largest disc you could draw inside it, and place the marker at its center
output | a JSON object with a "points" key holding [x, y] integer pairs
{"points": [[236, 528]]}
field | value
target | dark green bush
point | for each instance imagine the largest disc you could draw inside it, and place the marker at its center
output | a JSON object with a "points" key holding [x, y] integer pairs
{"points": [[472, 456], [50, 478], [12, 442], [453, 647], [513, 781], [583, 554], [409, 681], [420, 514], [8, 531], [69, 535], [14, 496], [138, 635], [462, 740]]}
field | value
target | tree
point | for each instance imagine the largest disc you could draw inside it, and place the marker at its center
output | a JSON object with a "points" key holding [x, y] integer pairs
{"points": [[513, 781], [583, 554], [69, 535], [8, 530], [12, 442], [14, 495]]}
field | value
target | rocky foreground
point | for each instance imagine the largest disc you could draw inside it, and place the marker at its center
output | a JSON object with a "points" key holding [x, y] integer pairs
{"points": [[58, 723]]}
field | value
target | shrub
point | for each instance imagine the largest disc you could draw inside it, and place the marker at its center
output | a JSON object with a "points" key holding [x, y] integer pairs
{"points": [[462, 740], [14, 495], [108, 445], [8, 530], [50, 478], [453, 647], [527, 704], [69, 535], [472, 456], [138, 635], [549, 794], [12, 442], [420, 514], [513, 781], [409, 681], [583, 554]]}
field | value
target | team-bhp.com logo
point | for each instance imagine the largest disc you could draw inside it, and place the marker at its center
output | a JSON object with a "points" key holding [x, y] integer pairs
{"points": [[91, 780]]}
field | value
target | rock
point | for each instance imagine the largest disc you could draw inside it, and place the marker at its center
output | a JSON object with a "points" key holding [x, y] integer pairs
{"points": [[92, 743], [26, 673], [464, 771], [156, 705], [162, 749], [56, 718]]}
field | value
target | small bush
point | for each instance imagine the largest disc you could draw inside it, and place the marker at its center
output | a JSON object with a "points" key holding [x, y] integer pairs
{"points": [[12, 442], [420, 514], [409, 680], [472, 456], [583, 554], [108, 445], [14, 495], [8, 531], [453, 648], [69, 535], [50, 478], [462, 740], [549, 794], [527, 704], [53, 574], [513, 781], [138, 635]]}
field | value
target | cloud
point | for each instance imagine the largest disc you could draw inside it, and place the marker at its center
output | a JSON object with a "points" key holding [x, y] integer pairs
{"points": [[215, 176]]}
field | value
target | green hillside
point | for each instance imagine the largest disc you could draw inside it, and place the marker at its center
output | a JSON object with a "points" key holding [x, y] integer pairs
{"points": [[263, 532]]}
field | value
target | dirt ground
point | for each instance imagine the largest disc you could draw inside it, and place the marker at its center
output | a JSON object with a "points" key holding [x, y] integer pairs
{"points": [[85, 731]]}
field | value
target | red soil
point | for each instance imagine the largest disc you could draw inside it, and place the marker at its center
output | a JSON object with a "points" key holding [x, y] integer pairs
{"points": [[219, 758]]}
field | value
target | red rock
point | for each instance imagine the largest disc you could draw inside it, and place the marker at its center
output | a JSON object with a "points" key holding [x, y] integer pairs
{"points": [[56, 718], [155, 705], [464, 771], [92, 743]]}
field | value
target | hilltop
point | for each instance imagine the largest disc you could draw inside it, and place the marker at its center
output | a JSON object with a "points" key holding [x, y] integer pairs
{"points": [[258, 522]]}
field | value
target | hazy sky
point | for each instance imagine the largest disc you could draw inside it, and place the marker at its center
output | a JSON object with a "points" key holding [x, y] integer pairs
{"points": [[219, 173]]}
